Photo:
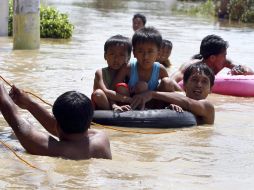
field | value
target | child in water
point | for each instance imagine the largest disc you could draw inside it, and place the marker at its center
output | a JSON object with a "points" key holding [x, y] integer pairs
{"points": [[144, 73], [165, 53], [138, 21], [117, 52]]}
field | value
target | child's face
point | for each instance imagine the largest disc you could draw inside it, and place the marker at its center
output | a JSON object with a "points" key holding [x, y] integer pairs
{"points": [[165, 52], [146, 54], [198, 86], [137, 23], [116, 56]]}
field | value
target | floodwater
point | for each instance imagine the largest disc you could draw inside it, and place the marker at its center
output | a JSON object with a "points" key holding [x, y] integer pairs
{"points": [[219, 156]]}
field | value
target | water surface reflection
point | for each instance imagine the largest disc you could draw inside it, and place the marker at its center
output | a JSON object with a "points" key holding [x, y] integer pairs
{"points": [[204, 157]]}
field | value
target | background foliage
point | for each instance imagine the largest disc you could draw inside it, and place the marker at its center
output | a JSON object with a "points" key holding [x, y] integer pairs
{"points": [[53, 24]]}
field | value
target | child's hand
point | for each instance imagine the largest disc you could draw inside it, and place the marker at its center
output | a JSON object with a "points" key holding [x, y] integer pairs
{"points": [[237, 70], [121, 108], [175, 108], [241, 70], [19, 97], [141, 100]]}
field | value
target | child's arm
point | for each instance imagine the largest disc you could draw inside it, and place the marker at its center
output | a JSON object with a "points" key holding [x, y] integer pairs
{"points": [[238, 69], [163, 72], [46, 119], [111, 94], [35, 142]]}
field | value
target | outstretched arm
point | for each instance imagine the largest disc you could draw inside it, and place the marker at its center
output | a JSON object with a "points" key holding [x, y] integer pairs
{"points": [[33, 141], [238, 69], [40, 113], [201, 108]]}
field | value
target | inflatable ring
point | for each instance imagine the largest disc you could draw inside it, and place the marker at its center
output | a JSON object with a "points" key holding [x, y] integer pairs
{"points": [[161, 118]]}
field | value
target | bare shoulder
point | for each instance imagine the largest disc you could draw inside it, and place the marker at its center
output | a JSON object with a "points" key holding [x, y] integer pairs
{"points": [[98, 73], [208, 105], [99, 144], [206, 111], [163, 71]]}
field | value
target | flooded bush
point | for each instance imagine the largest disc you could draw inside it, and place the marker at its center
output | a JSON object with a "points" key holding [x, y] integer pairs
{"points": [[53, 24], [241, 10], [10, 19], [237, 10], [198, 8]]}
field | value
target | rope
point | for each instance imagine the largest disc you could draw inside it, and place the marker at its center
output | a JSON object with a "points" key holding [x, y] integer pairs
{"points": [[19, 157], [96, 124], [7, 82], [130, 131]]}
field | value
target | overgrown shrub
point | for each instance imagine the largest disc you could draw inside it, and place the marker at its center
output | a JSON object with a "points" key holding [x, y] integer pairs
{"points": [[241, 10], [10, 19], [53, 24], [237, 10], [201, 8]]}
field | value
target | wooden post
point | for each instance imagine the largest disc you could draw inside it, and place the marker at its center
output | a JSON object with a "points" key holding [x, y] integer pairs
{"points": [[26, 24], [4, 15]]}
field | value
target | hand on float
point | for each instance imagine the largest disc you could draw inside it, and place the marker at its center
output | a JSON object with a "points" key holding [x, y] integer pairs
{"points": [[121, 108], [141, 99], [237, 70], [241, 70], [19, 97], [175, 108]]}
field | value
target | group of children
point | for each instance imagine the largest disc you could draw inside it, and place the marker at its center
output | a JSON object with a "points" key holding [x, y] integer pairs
{"points": [[122, 85], [116, 86]]}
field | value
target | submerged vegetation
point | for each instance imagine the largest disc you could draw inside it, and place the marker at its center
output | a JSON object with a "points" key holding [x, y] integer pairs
{"points": [[53, 24], [236, 10], [241, 10], [206, 9]]}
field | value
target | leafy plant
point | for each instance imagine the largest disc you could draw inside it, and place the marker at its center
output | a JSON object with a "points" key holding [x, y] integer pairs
{"points": [[237, 10], [206, 8], [53, 24], [10, 19], [241, 10]]}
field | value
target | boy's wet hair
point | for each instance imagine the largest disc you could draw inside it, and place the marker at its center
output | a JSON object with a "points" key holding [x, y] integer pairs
{"points": [[167, 43], [211, 45], [147, 34], [118, 40], [198, 67], [142, 17], [73, 112]]}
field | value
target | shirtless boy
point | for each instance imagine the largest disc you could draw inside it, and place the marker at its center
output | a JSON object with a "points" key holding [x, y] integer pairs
{"points": [[70, 125]]}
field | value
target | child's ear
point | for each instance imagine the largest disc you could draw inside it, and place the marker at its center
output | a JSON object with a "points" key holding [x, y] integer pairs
{"points": [[212, 58], [134, 53]]}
